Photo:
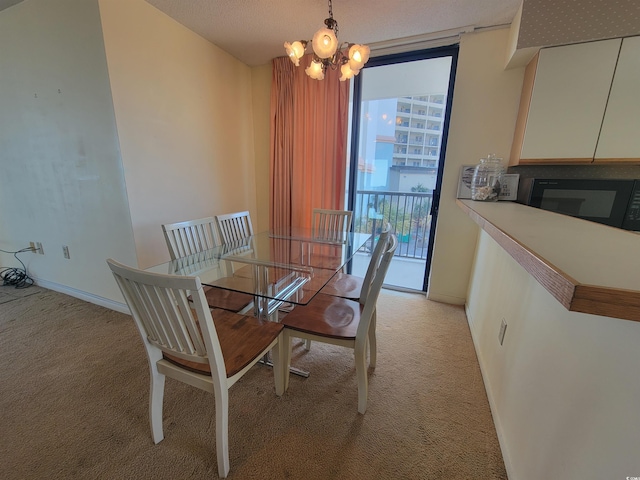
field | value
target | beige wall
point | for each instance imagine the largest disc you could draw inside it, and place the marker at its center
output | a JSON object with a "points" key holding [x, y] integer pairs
{"points": [[485, 105], [183, 109], [61, 178], [99, 149], [564, 386]]}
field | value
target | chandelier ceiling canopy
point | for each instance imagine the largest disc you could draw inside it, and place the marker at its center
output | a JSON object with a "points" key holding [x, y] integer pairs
{"points": [[328, 52]]}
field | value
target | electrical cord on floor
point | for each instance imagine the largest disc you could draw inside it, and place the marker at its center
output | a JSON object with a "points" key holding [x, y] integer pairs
{"points": [[14, 276]]}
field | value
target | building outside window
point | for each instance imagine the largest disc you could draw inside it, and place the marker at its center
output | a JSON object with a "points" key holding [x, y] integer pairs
{"points": [[407, 127]]}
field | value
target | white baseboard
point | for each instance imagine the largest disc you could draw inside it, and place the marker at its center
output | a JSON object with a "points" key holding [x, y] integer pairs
{"points": [[494, 412], [87, 297], [444, 298]]}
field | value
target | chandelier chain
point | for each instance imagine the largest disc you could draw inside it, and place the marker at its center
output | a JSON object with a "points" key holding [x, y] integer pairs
{"points": [[330, 22]]}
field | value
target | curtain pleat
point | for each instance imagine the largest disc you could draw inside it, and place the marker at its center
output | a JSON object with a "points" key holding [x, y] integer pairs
{"points": [[309, 123]]}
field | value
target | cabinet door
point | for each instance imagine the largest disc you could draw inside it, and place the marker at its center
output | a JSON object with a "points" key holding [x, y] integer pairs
{"points": [[620, 137], [568, 101]]}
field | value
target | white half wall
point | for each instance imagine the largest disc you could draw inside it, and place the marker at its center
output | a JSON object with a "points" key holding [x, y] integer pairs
{"points": [[564, 386]]}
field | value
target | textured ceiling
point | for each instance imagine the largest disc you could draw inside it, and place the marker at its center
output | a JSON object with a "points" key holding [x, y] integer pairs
{"points": [[550, 22], [7, 3], [253, 31]]}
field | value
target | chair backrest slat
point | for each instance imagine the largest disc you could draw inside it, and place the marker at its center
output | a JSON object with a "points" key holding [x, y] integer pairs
{"points": [[192, 236], [374, 262], [177, 334], [331, 225], [390, 243], [234, 226], [163, 313], [134, 297]]}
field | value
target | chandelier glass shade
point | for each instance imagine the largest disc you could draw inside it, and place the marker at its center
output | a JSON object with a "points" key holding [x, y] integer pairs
{"points": [[329, 53]]}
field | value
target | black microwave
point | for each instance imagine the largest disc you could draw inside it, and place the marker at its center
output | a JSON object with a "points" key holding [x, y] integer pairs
{"points": [[608, 201]]}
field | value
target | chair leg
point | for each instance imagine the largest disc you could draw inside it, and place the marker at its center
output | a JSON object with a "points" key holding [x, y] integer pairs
{"points": [[277, 358], [373, 346], [361, 372], [156, 398], [221, 394], [286, 354]]}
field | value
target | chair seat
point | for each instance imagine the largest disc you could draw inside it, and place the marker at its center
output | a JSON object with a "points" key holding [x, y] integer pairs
{"points": [[245, 272], [237, 284], [344, 285], [226, 299], [327, 316], [241, 339]]}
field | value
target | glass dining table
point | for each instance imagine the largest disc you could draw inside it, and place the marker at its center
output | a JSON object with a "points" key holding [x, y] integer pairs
{"points": [[276, 267]]}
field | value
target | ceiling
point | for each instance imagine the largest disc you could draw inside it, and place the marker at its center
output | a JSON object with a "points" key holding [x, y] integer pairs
{"points": [[7, 3], [253, 31]]}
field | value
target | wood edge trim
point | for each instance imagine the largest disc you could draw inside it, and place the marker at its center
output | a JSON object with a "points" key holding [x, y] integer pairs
{"points": [[554, 280], [574, 296], [606, 301], [523, 110], [555, 161], [604, 160]]}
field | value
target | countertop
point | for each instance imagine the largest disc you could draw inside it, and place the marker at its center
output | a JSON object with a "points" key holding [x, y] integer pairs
{"points": [[586, 266]]}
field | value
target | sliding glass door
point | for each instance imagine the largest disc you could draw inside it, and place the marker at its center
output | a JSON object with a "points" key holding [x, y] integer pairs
{"points": [[398, 142]]}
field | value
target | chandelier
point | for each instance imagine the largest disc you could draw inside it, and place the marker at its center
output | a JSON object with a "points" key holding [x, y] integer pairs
{"points": [[327, 53]]}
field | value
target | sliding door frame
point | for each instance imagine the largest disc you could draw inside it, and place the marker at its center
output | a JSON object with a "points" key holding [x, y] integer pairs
{"points": [[446, 51]]}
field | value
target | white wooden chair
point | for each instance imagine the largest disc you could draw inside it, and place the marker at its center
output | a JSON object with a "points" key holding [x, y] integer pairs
{"points": [[343, 322], [346, 285], [342, 284], [194, 236], [234, 226], [330, 225], [349, 286], [183, 342]]}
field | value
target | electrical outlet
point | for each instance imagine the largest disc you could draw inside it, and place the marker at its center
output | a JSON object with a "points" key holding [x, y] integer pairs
{"points": [[503, 329], [32, 246], [65, 251], [39, 248]]}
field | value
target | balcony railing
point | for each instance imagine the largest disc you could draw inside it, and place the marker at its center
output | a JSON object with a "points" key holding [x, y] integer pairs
{"points": [[408, 212]]}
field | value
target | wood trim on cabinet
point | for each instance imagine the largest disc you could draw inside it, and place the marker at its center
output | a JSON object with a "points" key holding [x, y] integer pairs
{"points": [[573, 295], [523, 111], [608, 161], [555, 161]]}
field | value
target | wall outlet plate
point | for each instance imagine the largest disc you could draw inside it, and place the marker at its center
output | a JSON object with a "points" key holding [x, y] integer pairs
{"points": [[65, 251]]}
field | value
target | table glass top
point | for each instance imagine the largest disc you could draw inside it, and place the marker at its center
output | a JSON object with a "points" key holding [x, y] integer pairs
{"points": [[287, 265]]}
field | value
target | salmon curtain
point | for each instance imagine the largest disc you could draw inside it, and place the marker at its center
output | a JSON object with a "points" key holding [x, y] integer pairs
{"points": [[309, 123]]}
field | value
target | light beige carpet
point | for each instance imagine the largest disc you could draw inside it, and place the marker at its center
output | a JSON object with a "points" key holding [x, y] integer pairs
{"points": [[74, 398]]}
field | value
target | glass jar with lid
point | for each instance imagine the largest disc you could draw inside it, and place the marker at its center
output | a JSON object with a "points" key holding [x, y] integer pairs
{"points": [[487, 179]]}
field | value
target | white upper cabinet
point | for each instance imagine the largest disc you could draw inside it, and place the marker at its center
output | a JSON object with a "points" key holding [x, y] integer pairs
{"points": [[563, 102], [620, 136]]}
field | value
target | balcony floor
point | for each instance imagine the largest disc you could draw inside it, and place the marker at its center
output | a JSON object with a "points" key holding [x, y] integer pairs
{"points": [[404, 273]]}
